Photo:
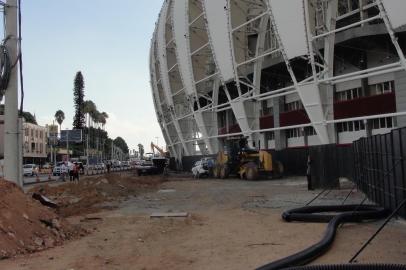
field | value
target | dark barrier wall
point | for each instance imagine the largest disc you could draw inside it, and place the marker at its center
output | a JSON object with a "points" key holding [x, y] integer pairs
{"points": [[380, 168], [329, 162]]}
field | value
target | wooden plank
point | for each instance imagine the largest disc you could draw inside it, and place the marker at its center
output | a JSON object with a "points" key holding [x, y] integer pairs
{"points": [[171, 214]]}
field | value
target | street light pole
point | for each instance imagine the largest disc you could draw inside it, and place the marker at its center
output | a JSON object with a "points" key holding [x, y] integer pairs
{"points": [[12, 147], [67, 143]]}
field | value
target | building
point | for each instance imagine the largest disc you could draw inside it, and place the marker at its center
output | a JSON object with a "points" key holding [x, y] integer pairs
{"points": [[34, 143], [281, 73]]}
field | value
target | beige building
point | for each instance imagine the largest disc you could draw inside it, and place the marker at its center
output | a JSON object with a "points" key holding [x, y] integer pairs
{"points": [[34, 142]]}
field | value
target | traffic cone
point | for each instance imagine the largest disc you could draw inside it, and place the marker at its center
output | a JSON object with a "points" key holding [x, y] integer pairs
{"points": [[37, 178], [49, 176]]}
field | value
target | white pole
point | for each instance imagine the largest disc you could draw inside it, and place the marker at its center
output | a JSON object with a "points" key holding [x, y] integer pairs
{"points": [[12, 148], [67, 142]]}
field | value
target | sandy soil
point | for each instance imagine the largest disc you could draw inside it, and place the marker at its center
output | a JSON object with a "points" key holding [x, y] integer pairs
{"points": [[232, 225], [26, 226]]}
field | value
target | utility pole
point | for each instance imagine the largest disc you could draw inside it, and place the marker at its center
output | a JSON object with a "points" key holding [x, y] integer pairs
{"points": [[67, 142], [12, 148]]}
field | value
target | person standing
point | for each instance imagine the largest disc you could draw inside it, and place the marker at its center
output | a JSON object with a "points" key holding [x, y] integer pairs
{"points": [[63, 171], [76, 170], [309, 173], [108, 167], [71, 169]]}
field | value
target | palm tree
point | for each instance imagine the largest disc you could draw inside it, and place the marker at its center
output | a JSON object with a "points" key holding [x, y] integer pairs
{"points": [[59, 117], [88, 109], [104, 118]]}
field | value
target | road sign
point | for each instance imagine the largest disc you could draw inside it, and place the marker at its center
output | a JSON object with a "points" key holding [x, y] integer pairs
{"points": [[74, 135]]}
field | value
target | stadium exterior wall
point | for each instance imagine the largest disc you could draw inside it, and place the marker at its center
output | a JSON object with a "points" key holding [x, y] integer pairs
{"points": [[284, 74]]}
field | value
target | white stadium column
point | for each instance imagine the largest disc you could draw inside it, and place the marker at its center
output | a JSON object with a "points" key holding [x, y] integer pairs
{"points": [[183, 54], [219, 30], [164, 72], [294, 46]]}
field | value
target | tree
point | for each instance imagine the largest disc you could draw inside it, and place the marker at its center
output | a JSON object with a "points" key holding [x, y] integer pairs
{"points": [[120, 143], [78, 96], [89, 107], [59, 117], [141, 150], [103, 118], [29, 118]]}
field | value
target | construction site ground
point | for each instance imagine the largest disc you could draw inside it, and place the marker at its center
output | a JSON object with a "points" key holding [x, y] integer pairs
{"points": [[232, 224]]}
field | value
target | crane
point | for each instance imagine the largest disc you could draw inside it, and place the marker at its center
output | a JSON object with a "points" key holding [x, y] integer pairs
{"points": [[159, 149]]}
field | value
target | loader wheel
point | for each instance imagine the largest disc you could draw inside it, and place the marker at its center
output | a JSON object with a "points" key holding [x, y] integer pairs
{"points": [[223, 172], [251, 174]]}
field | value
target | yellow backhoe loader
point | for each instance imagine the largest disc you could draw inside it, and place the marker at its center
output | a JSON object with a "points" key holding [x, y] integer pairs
{"points": [[237, 159]]}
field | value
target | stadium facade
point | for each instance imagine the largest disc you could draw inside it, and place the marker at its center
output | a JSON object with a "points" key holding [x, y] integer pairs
{"points": [[281, 73]]}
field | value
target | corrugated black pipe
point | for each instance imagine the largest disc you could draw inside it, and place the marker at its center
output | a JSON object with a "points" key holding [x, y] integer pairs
{"points": [[350, 267], [349, 213]]}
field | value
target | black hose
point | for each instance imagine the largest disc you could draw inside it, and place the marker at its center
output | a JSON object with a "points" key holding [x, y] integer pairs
{"points": [[5, 67], [351, 213], [350, 267]]}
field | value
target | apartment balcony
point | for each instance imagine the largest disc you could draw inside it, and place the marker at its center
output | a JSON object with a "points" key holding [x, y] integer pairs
{"points": [[231, 129]]}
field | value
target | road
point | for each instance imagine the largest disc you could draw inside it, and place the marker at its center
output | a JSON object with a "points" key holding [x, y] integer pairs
{"points": [[233, 224]]}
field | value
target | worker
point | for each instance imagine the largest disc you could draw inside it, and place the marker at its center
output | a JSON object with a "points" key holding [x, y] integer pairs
{"points": [[309, 173], [75, 172], [63, 171], [108, 165]]}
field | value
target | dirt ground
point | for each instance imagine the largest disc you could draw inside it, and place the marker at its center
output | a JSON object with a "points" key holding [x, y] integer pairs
{"points": [[232, 224]]}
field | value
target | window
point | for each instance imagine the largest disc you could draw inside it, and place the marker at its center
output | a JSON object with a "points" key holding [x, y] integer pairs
{"points": [[293, 106], [293, 133], [350, 126], [26, 132], [265, 109], [270, 136], [36, 133], [382, 88], [310, 131], [386, 122], [349, 94]]}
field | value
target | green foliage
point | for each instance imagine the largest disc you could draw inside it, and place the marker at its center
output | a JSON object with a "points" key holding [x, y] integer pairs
{"points": [[120, 143], [29, 118], [59, 117], [78, 96]]}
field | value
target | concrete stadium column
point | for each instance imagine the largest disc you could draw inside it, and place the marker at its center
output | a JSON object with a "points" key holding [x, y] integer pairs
{"points": [[400, 93], [280, 135], [252, 112], [327, 90]]}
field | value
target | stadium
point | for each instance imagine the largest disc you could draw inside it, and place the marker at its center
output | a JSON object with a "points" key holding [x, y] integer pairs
{"points": [[283, 74]]}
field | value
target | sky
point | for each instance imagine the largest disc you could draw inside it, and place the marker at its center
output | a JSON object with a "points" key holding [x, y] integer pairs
{"points": [[108, 41]]}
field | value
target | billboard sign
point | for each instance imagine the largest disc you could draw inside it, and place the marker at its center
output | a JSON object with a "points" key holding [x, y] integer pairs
{"points": [[73, 136]]}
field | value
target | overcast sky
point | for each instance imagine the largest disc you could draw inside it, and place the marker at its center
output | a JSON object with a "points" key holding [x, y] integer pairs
{"points": [[109, 42]]}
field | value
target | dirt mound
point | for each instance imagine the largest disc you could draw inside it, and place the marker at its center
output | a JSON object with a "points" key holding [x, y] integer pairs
{"points": [[94, 193], [27, 226]]}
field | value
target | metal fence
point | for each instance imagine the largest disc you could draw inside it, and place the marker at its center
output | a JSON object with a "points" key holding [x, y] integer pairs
{"points": [[379, 168]]}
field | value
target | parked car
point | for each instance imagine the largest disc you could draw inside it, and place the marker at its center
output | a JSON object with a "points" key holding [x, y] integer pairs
{"points": [[200, 169], [30, 170], [58, 168], [203, 167], [100, 166]]}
